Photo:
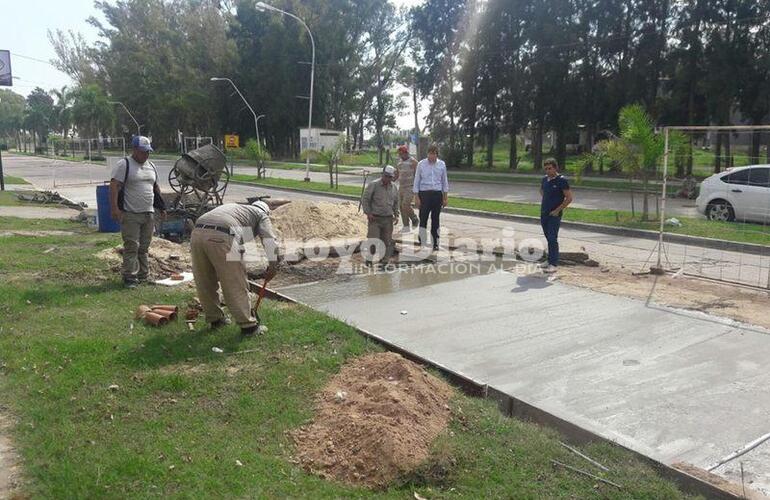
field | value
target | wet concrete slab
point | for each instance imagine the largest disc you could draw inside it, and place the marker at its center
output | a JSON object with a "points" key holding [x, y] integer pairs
{"points": [[674, 385]]}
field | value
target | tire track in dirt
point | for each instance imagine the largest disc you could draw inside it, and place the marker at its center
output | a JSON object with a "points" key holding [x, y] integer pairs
{"points": [[9, 460]]}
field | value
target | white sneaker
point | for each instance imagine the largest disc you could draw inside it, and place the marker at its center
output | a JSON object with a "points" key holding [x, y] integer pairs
{"points": [[405, 230], [550, 269]]}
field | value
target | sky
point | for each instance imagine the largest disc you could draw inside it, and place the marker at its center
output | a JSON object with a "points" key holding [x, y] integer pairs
{"points": [[24, 31]]}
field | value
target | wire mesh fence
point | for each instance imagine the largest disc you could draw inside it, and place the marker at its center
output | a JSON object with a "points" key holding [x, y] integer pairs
{"points": [[730, 206]]}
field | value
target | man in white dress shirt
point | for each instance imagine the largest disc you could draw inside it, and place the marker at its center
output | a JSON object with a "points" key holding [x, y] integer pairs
{"points": [[431, 191]]}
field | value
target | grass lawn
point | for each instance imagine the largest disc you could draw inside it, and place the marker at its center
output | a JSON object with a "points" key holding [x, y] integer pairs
{"points": [[9, 199], [730, 231], [182, 415], [9, 179]]}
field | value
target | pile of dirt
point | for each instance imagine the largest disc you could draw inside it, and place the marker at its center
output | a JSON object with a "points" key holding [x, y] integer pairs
{"points": [[165, 258], [375, 421], [305, 220]]}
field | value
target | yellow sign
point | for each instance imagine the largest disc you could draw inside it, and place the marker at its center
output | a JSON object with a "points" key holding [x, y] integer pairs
{"points": [[232, 141]]}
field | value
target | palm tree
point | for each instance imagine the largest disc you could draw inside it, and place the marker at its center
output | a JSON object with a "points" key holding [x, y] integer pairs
{"points": [[91, 111], [638, 150], [63, 112]]}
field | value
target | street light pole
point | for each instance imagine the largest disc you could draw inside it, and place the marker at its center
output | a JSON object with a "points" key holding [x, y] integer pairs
{"points": [[262, 6], [258, 141], [138, 127], [256, 126]]}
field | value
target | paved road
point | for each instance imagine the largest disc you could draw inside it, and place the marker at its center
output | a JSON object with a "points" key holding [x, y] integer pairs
{"points": [[50, 172], [521, 193], [72, 181], [669, 384]]}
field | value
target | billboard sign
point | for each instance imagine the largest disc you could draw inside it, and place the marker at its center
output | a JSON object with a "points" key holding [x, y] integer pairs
{"points": [[5, 69]]}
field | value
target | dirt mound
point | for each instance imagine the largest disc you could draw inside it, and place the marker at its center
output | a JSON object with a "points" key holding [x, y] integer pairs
{"points": [[375, 421], [165, 258], [305, 220]]}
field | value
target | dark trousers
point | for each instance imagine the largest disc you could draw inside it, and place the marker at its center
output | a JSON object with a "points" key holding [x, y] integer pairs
{"points": [[550, 224], [430, 204]]}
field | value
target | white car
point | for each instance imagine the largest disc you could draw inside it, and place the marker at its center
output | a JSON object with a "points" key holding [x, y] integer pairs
{"points": [[741, 193]]}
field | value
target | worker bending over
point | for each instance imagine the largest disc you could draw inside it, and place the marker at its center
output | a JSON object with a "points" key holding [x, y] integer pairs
{"points": [[215, 263]]}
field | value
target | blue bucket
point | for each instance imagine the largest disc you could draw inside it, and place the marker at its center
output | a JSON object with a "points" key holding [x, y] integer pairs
{"points": [[106, 223]]}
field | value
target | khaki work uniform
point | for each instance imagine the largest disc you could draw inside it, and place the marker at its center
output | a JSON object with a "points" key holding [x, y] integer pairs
{"points": [[138, 222], [217, 260], [381, 202], [405, 183]]}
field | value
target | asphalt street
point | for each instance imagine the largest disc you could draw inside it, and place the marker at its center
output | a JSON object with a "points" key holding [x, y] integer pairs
{"points": [[77, 182]]}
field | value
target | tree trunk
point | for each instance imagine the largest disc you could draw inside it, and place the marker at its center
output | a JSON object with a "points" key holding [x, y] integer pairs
{"points": [[537, 147], [728, 151], [689, 157], [645, 201], [768, 148], [718, 154], [561, 147], [416, 111], [469, 146], [490, 147], [513, 159], [756, 139]]}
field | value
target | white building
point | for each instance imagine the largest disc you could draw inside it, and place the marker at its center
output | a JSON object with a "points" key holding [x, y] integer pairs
{"points": [[320, 138]]}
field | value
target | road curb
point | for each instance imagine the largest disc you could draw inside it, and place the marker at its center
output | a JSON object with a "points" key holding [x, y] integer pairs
{"points": [[712, 243]]}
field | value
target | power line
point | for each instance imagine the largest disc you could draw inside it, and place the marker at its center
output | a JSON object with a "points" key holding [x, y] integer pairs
{"points": [[33, 59]]}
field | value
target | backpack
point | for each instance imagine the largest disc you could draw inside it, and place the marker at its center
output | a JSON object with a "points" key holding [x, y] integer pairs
{"points": [[157, 200]]}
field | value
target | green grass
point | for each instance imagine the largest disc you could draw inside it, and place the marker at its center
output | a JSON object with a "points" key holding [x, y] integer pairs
{"points": [[182, 415], [9, 179], [622, 185], [9, 199], [729, 231]]}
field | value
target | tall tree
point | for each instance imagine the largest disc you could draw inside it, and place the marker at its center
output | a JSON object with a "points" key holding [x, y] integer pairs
{"points": [[39, 115], [92, 112], [11, 114]]}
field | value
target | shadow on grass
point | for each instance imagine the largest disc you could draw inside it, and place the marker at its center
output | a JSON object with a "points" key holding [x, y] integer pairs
{"points": [[62, 294], [166, 347]]}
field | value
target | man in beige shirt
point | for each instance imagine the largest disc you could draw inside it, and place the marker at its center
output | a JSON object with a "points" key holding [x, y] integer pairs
{"points": [[380, 204], [405, 168], [214, 264]]}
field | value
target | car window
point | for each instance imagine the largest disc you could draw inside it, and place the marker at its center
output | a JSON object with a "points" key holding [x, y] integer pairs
{"points": [[759, 177], [740, 177]]}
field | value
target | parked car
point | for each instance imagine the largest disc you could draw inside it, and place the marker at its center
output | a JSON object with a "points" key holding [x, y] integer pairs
{"points": [[741, 193]]}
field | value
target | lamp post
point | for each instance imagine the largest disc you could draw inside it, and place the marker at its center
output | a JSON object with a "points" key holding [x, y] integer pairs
{"points": [[138, 127], [262, 6], [259, 148], [217, 79], [258, 141]]}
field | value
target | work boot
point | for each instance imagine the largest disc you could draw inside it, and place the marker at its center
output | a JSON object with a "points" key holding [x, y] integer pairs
{"points": [[130, 284], [250, 331], [214, 325]]}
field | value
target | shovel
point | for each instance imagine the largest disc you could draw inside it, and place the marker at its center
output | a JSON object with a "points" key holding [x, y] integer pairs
{"points": [[259, 300]]}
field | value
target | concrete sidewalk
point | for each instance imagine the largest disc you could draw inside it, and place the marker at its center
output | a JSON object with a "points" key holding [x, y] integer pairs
{"points": [[673, 385]]}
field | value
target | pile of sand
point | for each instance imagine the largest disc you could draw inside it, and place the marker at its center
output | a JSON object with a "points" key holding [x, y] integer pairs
{"points": [[165, 258], [305, 220], [375, 421]]}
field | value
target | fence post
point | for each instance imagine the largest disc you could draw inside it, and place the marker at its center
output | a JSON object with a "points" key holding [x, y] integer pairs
{"points": [[663, 198], [2, 177]]}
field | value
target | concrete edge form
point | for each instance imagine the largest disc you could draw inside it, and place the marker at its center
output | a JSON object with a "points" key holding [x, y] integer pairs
{"points": [[511, 406], [715, 244]]}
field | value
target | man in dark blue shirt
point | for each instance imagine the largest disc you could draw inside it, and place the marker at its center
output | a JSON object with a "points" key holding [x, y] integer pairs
{"points": [[556, 197]]}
